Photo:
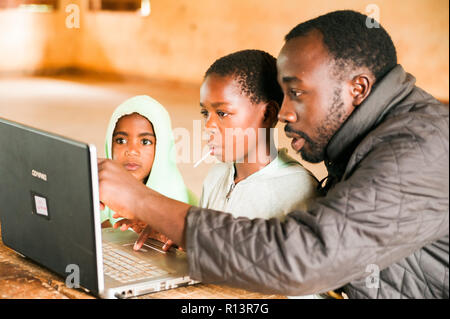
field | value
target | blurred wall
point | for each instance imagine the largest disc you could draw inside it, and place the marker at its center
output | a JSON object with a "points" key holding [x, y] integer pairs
{"points": [[181, 38]]}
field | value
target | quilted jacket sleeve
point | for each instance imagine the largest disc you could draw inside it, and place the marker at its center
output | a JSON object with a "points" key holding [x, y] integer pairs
{"points": [[393, 202]]}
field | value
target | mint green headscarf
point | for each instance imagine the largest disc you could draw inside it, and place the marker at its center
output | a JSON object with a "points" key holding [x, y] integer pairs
{"points": [[165, 177]]}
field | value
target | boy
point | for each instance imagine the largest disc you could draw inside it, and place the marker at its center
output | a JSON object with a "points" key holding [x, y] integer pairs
{"points": [[240, 93]]}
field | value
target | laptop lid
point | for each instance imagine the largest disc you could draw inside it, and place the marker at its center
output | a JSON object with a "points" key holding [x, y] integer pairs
{"points": [[49, 202]]}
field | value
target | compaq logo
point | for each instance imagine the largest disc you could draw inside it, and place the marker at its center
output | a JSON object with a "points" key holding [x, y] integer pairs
{"points": [[39, 175]]}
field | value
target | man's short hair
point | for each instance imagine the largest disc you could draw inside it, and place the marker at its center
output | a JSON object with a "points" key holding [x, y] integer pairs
{"points": [[351, 42], [255, 71]]}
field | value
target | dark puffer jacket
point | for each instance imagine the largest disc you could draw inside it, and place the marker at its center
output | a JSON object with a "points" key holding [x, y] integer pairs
{"points": [[380, 231]]}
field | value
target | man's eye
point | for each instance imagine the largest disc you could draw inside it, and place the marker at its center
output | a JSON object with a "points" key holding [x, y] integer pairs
{"points": [[120, 140], [221, 114], [146, 142]]}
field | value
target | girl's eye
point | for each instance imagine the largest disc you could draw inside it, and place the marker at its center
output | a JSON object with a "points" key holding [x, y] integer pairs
{"points": [[146, 142], [120, 140]]}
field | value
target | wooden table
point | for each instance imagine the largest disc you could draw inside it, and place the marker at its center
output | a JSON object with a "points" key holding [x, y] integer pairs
{"points": [[23, 279]]}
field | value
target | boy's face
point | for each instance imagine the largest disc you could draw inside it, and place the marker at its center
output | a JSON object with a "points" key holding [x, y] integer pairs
{"points": [[133, 145], [231, 119]]}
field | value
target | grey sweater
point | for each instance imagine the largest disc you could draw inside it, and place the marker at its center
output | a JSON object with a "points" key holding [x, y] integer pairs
{"points": [[380, 231]]}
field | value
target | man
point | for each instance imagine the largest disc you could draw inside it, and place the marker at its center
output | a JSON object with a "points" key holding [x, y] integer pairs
{"points": [[381, 228]]}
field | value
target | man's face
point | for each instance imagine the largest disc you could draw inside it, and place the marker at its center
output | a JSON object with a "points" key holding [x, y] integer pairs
{"points": [[315, 103]]}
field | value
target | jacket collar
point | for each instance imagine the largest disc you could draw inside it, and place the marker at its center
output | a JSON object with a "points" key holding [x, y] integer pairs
{"points": [[393, 87]]}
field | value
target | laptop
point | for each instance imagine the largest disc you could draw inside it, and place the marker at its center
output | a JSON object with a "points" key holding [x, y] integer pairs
{"points": [[49, 212]]}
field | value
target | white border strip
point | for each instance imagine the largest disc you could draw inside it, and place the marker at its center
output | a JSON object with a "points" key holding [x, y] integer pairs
{"points": [[97, 223]]}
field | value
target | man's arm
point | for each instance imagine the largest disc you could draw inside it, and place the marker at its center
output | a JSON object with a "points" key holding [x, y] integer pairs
{"points": [[395, 203], [133, 200]]}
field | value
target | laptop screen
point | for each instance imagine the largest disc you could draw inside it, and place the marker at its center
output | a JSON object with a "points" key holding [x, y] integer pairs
{"points": [[46, 202]]}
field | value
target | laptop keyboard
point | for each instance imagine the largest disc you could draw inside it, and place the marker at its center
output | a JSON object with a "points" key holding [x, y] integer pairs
{"points": [[125, 268]]}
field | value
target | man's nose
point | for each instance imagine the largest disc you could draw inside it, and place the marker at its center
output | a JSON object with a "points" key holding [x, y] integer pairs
{"points": [[287, 113]]}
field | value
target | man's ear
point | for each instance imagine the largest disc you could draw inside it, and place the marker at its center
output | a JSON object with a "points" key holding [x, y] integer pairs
{"points": [[361, 86], [271, 113]]}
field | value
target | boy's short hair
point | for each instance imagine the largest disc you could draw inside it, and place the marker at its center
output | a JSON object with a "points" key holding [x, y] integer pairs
{"points": [[255, 71]]}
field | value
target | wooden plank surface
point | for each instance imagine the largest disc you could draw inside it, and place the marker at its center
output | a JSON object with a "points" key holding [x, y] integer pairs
{"points": [[21, 278]]}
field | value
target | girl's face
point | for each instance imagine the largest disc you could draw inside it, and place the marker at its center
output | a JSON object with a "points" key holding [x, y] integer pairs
{"points": [[133, 145], [231, 119]]}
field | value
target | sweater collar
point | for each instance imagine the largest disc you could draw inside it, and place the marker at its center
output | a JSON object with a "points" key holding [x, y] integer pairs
{"points": [[395, 86]]}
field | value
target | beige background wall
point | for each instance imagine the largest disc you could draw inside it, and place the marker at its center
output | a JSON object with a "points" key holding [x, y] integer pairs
{"points": [[181, 38], [165, 55]]}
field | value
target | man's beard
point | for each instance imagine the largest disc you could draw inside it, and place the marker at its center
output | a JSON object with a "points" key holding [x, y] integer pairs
{"points": [[317, 149]]}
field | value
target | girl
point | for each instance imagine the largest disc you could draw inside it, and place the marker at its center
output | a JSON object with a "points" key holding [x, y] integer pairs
{"points": [[139, 136]]}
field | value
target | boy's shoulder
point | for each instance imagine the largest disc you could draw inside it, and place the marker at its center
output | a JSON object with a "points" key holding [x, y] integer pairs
{"points": [[288, 179], [217, 171], [284, 164], [285, 172], [285, 160], [282, 167]]}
